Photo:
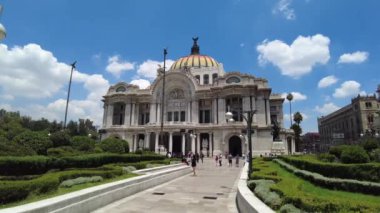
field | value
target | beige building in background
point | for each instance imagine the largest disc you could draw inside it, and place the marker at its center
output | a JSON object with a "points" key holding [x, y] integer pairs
{"points": [[349, 123], [198, 93]]}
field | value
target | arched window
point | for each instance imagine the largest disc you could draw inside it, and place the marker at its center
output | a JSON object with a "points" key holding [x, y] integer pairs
{"points": [[205, 79], [198, 78], [214, 77], [120, 89], [118, 113], [233, 80]]}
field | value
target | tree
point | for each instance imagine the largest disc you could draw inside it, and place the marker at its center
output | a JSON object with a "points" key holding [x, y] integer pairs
{"points": [[38, 141], [60, 138], [297, 129], [83, 143], [72, 127], [297, 117]]}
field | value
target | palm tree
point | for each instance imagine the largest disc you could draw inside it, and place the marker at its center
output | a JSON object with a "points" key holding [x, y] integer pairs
{"points": [[289, 97], [297, 117]]}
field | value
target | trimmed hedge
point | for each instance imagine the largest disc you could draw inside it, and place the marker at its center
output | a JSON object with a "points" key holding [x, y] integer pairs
{"points": [[333, 183], [11, 191], [367, 171], [40, 164]]}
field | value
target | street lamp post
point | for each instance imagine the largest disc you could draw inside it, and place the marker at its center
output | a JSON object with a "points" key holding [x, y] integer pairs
{"points": [[163, 98], [289, 97], [68, 93], [248, 119], [3, 32]]}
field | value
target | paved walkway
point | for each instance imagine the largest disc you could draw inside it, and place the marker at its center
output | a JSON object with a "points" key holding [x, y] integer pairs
{"points": [[213, 189]]}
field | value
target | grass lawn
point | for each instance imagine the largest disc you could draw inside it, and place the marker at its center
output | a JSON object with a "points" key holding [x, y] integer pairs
{"points": [[61, 190], [306, 196]]}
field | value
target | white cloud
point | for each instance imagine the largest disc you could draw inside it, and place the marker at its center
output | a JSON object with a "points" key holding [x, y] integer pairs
{"points": [[355, 57], [296, 59], [34, 73], [148, 68], [25, 69], [283, 7], [326, 108], [327, 81], [347, 89], [142, 83], [297, 96], [116, 66]]}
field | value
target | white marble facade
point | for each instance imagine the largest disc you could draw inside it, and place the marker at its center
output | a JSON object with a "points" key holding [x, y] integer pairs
{"points": [[198, 93]]}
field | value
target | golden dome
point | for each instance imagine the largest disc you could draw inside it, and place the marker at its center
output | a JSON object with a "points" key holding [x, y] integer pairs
{"points": [[194, 59]]}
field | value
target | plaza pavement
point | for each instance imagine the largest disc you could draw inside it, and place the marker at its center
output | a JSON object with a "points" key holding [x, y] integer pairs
{"points": [[213, 189]]}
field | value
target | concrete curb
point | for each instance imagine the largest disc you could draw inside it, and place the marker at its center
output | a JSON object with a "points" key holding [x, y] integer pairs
{"points": [[245, 199], [90, 199]]}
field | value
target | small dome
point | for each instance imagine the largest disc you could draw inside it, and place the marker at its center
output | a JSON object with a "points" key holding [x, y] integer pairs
{"points": [[194, 61]]}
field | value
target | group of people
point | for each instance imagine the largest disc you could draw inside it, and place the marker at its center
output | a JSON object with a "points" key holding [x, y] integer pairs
{"points": [[219, 159]]}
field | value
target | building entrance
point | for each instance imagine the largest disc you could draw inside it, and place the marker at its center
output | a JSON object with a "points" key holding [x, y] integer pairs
{"points": [[177, 145], [234, 146]]}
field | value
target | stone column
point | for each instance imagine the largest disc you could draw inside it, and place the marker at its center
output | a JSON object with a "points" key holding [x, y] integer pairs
{"points": [[195, 111], [189, 111], [147, 140], [135, 143], [214, 110], [268, 112], [171, 142], [156, 142], [133, 114], [193, 144], [159, 114], [183, 144], [199, 144], [109, 115], [104, 115], [127, 114], [137, 108], [254, 121], [222, 110], [293, 145], [152, 113], [211, 142]]}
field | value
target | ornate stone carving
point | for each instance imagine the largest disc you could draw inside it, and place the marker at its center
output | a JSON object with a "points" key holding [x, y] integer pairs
{"points": [[176, 94]]}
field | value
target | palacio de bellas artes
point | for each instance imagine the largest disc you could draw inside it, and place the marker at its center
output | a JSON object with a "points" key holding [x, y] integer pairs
{"points": [[197, 93]]}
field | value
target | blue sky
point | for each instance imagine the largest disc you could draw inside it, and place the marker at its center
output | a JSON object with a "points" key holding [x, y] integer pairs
{"points": [[324, 51]]}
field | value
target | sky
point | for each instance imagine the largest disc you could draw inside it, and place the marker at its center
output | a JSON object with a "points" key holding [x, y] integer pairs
{"points": [[324, 52]]}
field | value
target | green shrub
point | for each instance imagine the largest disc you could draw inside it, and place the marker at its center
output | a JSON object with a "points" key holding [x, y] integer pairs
{"points": [[80, 180], [375, 155], [11, 191], [334, 183], [60, 138], [325, 157], [354, 154], [366, 171], [23, 165], [37, 141], [61, 151], [40, 164], [129, 169], [289, 208], [370, 144], [83, 143], [262, 190], [139, 152], [337, 150], [113, 145], [8, 148]]}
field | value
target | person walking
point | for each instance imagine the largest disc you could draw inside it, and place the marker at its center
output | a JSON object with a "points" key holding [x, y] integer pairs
{"points": [[194, 164], [216, 160], [220, 159], [197, 157], [229, 160], [237, 160], [202, 156]]}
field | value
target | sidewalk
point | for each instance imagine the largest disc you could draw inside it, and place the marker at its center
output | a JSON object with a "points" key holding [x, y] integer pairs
{"points": [[212, 190]]}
